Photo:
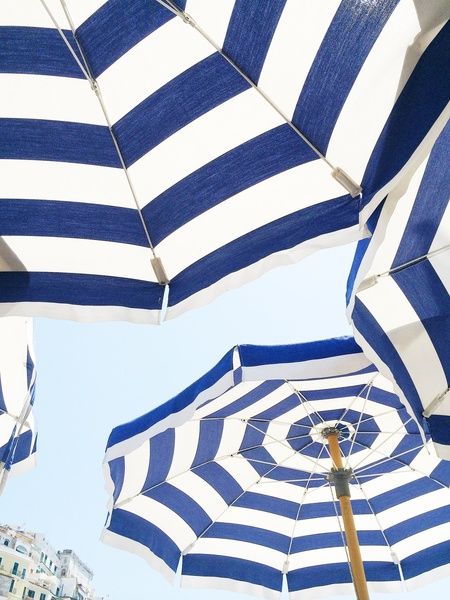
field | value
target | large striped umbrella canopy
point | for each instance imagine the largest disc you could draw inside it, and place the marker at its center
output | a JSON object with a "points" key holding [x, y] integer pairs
{"points": [[17, 384], [400, 308], [229, 482], [157, 151]]}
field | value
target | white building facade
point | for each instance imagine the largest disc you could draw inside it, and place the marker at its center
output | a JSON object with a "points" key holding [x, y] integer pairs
{"points": [[31, 569]]}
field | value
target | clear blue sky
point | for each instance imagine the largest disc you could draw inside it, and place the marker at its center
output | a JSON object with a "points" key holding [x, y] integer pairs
{"points": [[92, 377]]}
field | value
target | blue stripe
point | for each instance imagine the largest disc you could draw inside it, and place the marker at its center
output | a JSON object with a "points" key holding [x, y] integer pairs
{"points": [[182, 504], [53, 218], [229, 174], [322, 575], [281, 234], [268, 504], [371, 330], [191, 94], [429, 298], [238, 569], [250, 31], [162, 448], [220, 480], [440, 429], [136, 528], [246, 533], [408, 491], [426, 560], [209, 438], [248, 399], [116, 27], [84, 290], [344, 49], [334, 540], [33, 139], [38, 51], [252, 356], [422, 522], [429, 206], [422, 100], [117, 472], [175, 405]]}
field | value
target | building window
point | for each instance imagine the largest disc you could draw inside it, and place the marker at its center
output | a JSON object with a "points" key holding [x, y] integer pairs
{"points": [[57, 591], [42, 597], [15, 568], [6, 543], [11, 585], [24, 572], [24, 592], [31, 594]]}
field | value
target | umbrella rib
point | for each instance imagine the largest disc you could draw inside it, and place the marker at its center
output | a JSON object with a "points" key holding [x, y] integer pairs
{"points": [[414, 261], [305, 403], [388, 412], [394, 556], [156, 262], [368, 387], [190, 546], [413, 469], [302, 500], [385, 440], [342, 177], [207, 462], [357, 427], [256, 419]]}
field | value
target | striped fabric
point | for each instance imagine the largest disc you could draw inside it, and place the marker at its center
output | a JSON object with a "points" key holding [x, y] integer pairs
{"points": [[230, 477], [400, 309], [142, 144], [17, 384]]}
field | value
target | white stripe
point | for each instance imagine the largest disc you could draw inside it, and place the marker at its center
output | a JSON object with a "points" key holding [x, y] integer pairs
{"points": [[74, 312], [244, 550], [364, 114], [185, 447], [71, 255], [30, 13], [415, 507], [166, 53], [41, 180], [296, 188], [214, 133], [201, 492], [135, 472], [234, 585], [164, 518], [299, 34], [49, 97], [425, 539]]}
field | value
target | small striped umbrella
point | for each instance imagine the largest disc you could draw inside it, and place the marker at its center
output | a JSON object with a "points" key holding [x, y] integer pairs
{"points": [[291, 465], [160, 152], [400, 302], [18, 434]]}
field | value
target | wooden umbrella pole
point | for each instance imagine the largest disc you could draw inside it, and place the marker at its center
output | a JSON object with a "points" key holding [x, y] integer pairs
{"points": [[359, 576]]}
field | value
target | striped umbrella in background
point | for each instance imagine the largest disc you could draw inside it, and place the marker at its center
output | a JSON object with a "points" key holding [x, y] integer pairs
{"points": [[154, 147], [400, 307], [17, 384], [231, 482]]}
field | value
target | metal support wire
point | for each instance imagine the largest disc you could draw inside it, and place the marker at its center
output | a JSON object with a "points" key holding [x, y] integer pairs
{"points": [[339, 174], [371, 281], [155, 261]]}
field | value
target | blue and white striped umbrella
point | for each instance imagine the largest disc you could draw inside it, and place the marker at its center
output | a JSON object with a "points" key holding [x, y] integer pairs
{"points": [[199, 143], [400, 308], [18, 434], [230, 477]]}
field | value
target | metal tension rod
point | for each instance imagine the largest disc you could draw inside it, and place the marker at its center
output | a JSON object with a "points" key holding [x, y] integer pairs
{"points": [[341, 477]]}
